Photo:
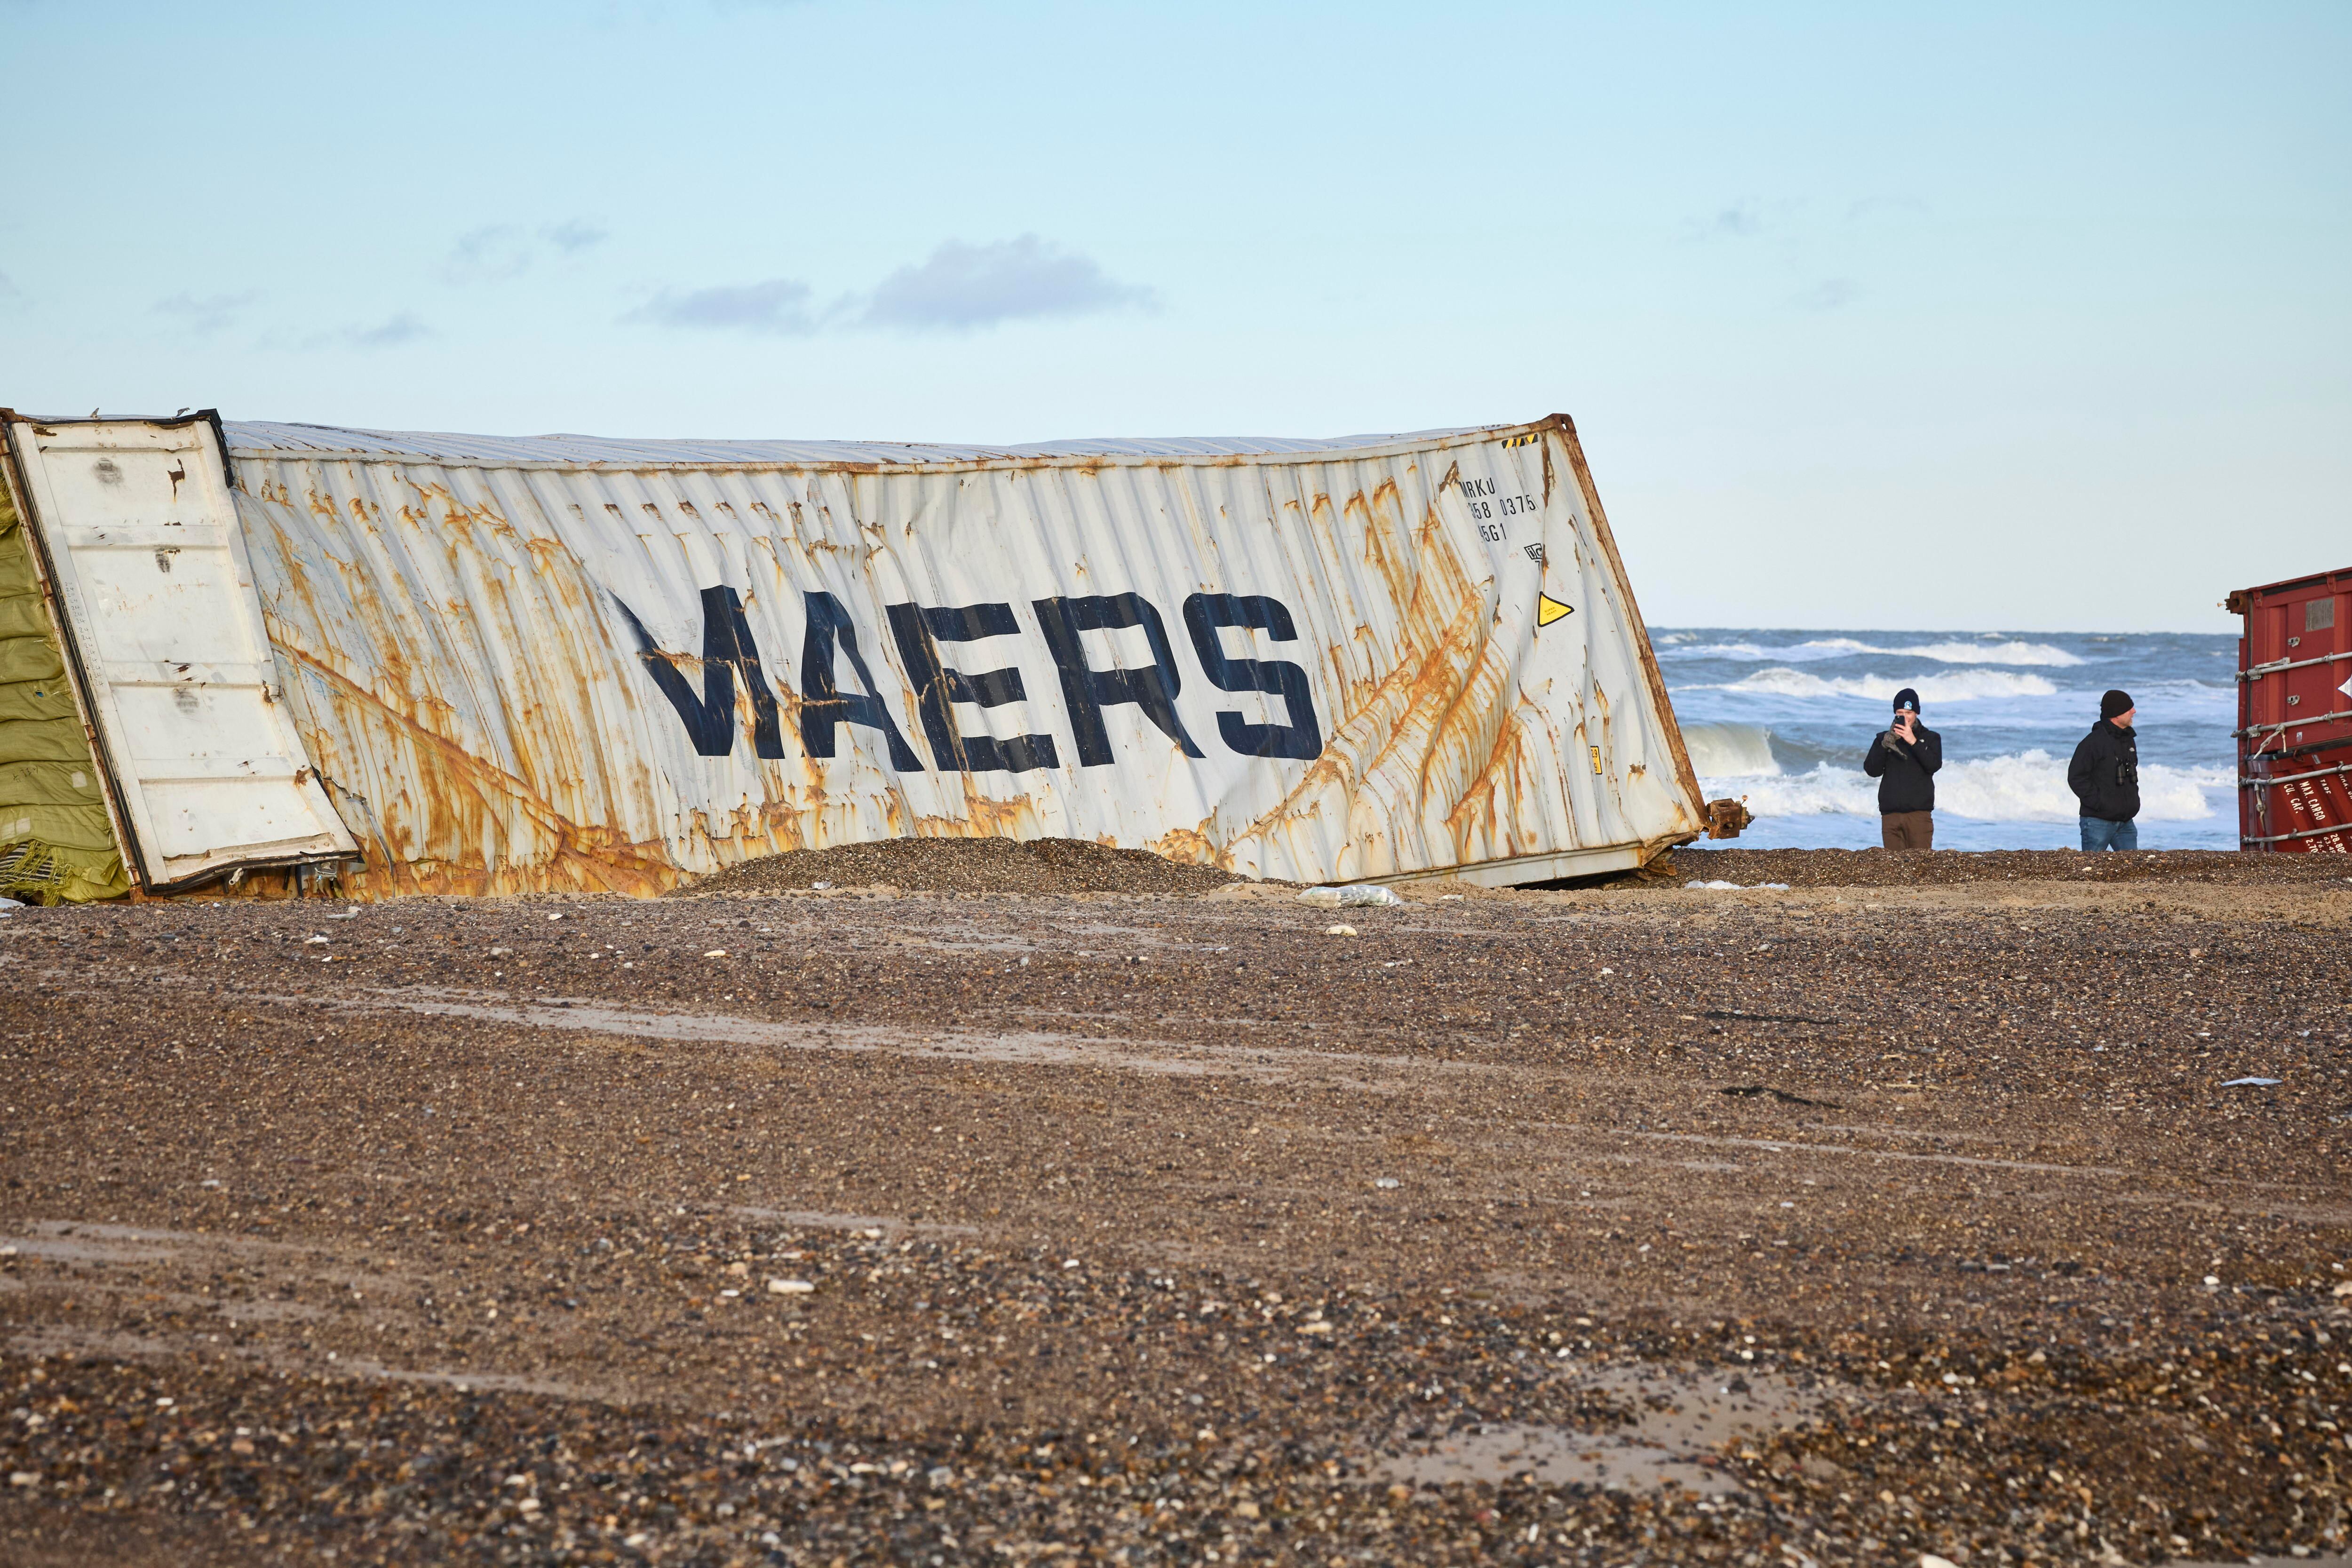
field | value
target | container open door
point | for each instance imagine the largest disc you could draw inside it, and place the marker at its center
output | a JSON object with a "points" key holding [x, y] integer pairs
{"points": [[139, 537]]}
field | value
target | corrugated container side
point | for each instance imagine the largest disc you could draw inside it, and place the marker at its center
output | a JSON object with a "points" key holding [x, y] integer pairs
{"points": [[465, 641], [2294, 715]]}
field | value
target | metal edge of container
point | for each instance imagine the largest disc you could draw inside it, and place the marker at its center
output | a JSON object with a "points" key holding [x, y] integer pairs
{"points": [[1519, 870], [1685, 773], [1384, 445]]}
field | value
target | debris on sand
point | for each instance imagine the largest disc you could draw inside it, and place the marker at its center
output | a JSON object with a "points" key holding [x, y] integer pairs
{"points": [[1357, 896], [1759, 1091]]}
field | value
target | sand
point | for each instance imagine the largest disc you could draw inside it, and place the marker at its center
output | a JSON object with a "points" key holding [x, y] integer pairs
{"points": [[1838, 1224]]}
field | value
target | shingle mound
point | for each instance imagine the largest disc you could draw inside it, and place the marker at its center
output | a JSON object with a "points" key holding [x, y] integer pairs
{"points": [[969, 865]]}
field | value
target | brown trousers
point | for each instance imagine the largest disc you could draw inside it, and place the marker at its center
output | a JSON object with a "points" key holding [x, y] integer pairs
{"points": [[1908, 830]]}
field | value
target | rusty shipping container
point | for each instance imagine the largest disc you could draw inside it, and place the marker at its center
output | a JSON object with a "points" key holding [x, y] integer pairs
{"points": [[2294, 715], [433, 663]]}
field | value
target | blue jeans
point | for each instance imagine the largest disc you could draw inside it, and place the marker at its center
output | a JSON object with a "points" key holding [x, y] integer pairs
{"points": [[2100, 834]]}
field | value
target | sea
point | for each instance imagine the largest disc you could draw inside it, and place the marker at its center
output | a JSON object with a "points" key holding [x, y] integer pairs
{"points": [[1784, 718]]}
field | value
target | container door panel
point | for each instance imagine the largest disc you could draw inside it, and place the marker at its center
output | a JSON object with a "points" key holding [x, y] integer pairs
{"points": [[141, 532]]}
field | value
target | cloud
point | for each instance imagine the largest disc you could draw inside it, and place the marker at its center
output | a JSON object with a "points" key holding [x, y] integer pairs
{"points": [[497, 251], [8, 290], [957, 287], [487, 254], [205, 314], [778, 307], [1830, 294], [401, 327], [962, 287], [573, 236], [1739, 221]]}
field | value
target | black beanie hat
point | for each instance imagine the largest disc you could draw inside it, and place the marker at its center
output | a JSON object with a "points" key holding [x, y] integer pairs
{"points": [[1906, 697], [2115, 702]]}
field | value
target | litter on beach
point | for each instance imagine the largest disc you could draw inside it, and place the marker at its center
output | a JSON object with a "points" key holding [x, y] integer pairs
{"points": [[1740, 887], [1359, 896], [2253, 1083]]}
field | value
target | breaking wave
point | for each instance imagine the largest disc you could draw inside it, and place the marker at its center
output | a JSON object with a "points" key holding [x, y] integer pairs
{"points": [[2024, 787], [1961, 686], [1992, 653], [2009, 653], [1740, 750]]}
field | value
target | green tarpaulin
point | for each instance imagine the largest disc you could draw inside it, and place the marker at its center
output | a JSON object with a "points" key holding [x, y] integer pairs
{"points": [[57, 844]]}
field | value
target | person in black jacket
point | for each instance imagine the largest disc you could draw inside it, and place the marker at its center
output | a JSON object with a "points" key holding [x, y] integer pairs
{"points": [[1903, 759], [2105, 776]]}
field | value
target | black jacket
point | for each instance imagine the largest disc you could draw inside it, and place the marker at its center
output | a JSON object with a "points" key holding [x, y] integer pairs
{"points": [[2105, 773], [1905, 772]]}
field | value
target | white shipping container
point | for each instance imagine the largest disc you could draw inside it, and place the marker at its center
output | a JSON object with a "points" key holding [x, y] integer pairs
{"points": [[565, 662]]}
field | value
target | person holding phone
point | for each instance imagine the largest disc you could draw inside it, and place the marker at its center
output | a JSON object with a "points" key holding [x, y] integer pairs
{"points": [[1904, 758]]}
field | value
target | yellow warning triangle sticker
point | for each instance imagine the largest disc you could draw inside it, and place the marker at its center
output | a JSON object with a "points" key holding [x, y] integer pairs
{"points": [[1548, 609]]}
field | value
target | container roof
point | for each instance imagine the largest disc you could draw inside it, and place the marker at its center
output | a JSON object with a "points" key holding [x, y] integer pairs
{"points": [[2315, 580], [258, 438]]}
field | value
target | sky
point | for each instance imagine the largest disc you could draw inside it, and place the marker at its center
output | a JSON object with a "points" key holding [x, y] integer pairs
{"points": [[1951, 318]]}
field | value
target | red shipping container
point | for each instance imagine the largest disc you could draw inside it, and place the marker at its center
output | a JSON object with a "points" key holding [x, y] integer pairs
{"points": [[2294, 715]]}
